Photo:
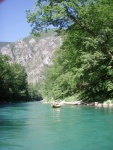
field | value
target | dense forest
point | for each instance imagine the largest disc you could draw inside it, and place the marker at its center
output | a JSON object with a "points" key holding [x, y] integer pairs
{"points": [[83, 65], [13, 82]]}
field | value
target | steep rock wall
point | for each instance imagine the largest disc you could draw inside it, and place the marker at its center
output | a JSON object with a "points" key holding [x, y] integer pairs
{"points": [[33, 53]]}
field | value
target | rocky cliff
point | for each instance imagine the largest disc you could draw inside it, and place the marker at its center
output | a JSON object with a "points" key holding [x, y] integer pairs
{"points": [[33, 53]]}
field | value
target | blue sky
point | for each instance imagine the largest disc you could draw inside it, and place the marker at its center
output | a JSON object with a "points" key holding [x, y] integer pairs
{"points": [[13, 22]]}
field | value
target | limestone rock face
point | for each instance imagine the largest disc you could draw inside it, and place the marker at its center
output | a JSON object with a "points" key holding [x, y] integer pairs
{"points": [[33, 53]]}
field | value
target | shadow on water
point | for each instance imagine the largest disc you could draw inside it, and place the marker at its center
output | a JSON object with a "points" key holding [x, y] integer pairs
{"points": [[22, 104], [11, 116]]}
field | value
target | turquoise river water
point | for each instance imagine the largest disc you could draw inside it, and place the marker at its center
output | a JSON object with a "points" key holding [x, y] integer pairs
{"points": [[37, 126]]}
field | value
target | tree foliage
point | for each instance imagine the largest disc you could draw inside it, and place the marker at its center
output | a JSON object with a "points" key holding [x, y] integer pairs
{"points": [[13, 83], [34, 92], [84, 62]]}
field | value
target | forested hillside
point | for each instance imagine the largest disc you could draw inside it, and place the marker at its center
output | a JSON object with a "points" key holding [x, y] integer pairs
{"points": [[83, 65], [13, 81], [31, 55], [34, 53]]}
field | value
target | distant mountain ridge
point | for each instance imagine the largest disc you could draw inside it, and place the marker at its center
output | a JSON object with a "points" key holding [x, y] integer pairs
{"points": [[32, 52], [3, 44]]}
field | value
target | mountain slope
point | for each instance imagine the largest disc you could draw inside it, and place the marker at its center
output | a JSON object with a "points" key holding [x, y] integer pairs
{"points": [[33, 53]]}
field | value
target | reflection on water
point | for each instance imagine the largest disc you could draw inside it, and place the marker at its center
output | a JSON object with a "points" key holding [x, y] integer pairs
{"points": [[34, 126], [56, 114]]}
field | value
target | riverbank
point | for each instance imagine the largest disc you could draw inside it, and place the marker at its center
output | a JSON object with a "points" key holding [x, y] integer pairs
{"points": [[108, 103]]}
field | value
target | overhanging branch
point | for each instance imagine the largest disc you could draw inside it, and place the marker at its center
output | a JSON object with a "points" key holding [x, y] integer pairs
{"points": [[84, 27]]}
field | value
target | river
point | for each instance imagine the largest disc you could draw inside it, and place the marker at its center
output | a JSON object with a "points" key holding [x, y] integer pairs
{"points": [[37, 126]]}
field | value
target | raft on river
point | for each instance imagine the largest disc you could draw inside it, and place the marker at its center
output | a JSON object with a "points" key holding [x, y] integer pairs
{"points": [[56, 105]]}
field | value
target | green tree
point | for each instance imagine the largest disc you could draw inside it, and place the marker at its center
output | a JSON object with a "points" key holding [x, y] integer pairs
{"points": [[13, 81], [18, 85], [87, 51], [34, 92], [4, 78]]}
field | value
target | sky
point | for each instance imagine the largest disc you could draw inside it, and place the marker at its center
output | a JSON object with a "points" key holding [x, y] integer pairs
{"points": [[13, 22]]}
